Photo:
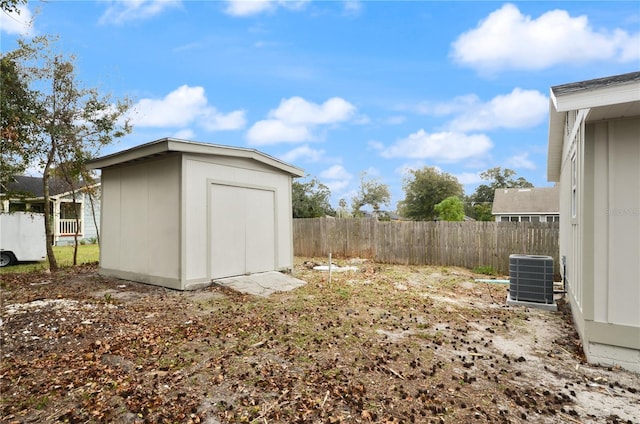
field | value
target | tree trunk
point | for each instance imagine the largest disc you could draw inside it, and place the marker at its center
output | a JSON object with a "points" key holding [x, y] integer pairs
{"points": [[93, 214], [75, 235], [48, 225]]}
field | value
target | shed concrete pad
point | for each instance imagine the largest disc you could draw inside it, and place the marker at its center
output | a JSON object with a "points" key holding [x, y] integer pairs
{"points": [[261, 284]]}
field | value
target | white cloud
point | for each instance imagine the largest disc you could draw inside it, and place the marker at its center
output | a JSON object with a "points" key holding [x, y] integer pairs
{"points": [[185, 134], [336, 177], [441, 147], [17, 23], [295, 119], [457, 105], [243, 8], [304, 153], [121, 11], [248, 8], [182, 107], [375, 145], [406, 168], [336, 172], [469, 178], [352, 7], [212, 120], [507, 39], [297, 110], [518, 109], [337, 186], [272, 131], [521, 161]]}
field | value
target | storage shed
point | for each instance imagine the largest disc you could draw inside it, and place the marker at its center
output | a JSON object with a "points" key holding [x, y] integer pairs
{"points": [[180, 214]]}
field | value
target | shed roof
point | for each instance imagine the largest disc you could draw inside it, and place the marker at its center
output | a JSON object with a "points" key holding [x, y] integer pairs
{"points": [[604, 98], [539, 200], [167, 145]]}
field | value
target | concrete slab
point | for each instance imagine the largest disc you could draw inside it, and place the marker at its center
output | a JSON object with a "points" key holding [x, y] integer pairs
{"points": [[261, 284], [545, 306]]}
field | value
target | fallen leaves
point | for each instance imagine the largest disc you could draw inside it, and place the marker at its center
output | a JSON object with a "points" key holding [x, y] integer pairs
{"points": [[374, 346]]}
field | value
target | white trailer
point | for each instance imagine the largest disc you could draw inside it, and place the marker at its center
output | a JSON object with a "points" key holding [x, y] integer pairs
{"points": [[22, 238]]}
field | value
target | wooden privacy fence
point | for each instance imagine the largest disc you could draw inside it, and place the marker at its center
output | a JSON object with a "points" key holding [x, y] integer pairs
{"points": [[464, 244]]}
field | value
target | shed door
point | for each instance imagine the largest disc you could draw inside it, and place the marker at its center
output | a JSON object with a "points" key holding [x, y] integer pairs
{"points": [[241, 230]]}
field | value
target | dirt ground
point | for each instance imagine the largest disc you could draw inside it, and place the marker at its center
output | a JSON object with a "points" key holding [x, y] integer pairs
{"points": [[384, 343]]}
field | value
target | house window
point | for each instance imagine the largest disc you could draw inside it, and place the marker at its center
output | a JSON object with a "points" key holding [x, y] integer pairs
{"points": [[515, 218], [525, 218], [17, 207], [504, 219], [574, 187], [535, 219]]}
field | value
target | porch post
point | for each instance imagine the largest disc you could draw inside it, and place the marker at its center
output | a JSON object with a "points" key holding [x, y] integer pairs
{"points": [[56, 221]]}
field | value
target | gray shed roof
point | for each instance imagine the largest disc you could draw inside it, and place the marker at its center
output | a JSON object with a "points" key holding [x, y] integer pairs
{"points": [[522, 201], [167, 145]]}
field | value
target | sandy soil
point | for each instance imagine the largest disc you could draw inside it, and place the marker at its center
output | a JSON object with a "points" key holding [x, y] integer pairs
{"points": [[384, 343]]}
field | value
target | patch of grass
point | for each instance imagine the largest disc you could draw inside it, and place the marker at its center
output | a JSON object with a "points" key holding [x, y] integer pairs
{"points": [[88, 253], [485, 269]]}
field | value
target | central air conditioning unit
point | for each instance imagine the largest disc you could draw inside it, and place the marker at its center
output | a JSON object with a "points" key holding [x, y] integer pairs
{"points": [[530, 279]]}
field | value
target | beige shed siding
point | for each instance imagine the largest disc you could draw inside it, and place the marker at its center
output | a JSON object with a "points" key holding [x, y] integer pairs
{"points": [[201, 172], [141, 209]]}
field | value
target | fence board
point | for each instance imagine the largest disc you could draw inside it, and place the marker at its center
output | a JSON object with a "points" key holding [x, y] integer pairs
{"points": [[465, 244]]}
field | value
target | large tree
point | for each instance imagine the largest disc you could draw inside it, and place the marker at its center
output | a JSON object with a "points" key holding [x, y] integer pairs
{"points": [[73, 122], [9, 6], [18, 114], [424, 189], [311, 199], [371, 192], [450, 209], [482, 198]]}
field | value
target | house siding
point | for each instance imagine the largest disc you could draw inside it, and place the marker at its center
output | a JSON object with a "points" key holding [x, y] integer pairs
{"points": [[602, 244], [89, 232]]}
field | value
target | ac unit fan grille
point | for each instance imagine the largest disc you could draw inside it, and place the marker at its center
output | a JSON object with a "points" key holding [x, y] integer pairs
{"points": [[531, 278]]}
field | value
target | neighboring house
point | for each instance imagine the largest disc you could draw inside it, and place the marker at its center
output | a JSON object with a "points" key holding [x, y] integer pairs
{"points": [[26, 194], [540, 204], [180, 214], [594, 153]]}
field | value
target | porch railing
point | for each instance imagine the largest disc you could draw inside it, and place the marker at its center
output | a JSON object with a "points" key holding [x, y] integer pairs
{"points": [[68, 227]]}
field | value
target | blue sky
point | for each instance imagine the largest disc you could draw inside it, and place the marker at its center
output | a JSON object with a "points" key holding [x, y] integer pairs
{"points": [[339, 88]]}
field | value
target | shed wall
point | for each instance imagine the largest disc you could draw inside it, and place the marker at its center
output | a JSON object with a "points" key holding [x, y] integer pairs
{"points": [[200, 172], [140, 237]]}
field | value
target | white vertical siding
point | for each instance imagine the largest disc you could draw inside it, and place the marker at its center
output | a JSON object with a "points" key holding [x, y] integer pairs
{"points": [[624, 223]]}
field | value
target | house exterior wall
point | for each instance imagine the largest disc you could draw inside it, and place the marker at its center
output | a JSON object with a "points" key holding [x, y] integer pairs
{"points": [[140, 235], [599, 236], [199, 173], [88, 229]]}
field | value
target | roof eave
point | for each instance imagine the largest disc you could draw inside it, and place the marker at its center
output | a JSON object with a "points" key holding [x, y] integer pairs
{"points": [[167, 145], [556, 139], [596, 97]]}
